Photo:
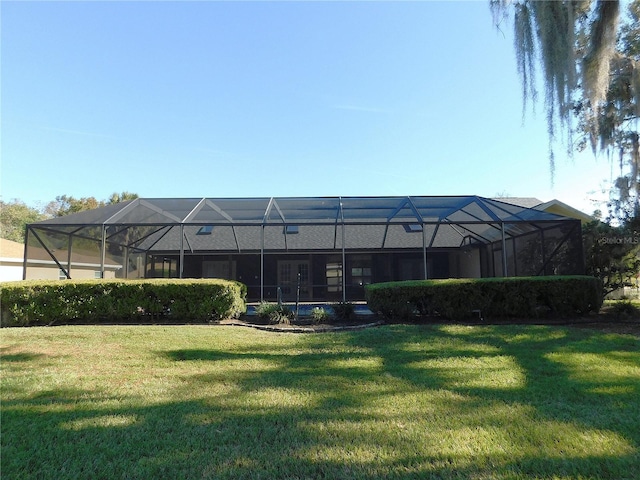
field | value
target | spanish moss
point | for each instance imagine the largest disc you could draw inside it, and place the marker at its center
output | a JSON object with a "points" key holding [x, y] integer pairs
{"points": [[546, 34], [601, 50]]}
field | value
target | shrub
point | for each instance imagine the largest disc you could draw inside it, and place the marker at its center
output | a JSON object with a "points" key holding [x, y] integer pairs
{"points": [[319, 314], [274, 312], [46, 302], [494, 297], [625, 309], [343, 310]]}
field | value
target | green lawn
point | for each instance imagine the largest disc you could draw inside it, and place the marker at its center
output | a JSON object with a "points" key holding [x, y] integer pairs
{"points": [[400, 401]]}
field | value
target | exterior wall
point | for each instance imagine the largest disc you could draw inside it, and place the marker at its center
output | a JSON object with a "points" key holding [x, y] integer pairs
{"points": [[10, 271], [87, 274], [53, 273], [11, 260], [43, 273]]}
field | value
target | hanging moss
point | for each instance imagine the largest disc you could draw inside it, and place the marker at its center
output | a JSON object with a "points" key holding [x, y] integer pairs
{"points": [[524, 44], [601, 50], [546, 31]]}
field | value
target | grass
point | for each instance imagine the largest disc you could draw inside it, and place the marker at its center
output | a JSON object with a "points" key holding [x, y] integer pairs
{"points": [[399, 401]]}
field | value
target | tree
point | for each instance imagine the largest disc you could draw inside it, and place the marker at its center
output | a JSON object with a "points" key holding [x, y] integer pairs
{"points": [[591, 74], [575, 43], [14, 216], [66, 204], [613, 126], [612, 254], [121, 197]]}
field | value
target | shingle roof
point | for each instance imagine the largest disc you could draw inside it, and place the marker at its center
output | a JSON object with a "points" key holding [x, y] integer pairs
{"points": [[527, 202], [11, 249]]}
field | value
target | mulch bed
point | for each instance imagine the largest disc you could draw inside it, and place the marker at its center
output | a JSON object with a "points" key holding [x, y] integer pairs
{"points": [[603, 321], [304, 327]]}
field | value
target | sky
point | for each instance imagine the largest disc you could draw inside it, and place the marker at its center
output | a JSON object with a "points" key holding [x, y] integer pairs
{"points": [[261, 99]]}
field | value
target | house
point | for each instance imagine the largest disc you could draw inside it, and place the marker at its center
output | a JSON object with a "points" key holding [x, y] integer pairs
{"points": [[41, 266], [314, 248], [11, 260], [553, 206]]}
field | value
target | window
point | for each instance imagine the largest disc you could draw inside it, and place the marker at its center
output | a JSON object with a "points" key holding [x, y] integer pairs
{"points": [[205, 230], [285, 273], [413, 227], [334, 277], [97, 274], [289, 229], [361, 275], [361, 272], [219, 269], [61, 275]]}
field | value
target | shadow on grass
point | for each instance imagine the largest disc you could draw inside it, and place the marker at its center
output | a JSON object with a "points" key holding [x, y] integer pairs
{"points": [[20, 357], [394, 402]]}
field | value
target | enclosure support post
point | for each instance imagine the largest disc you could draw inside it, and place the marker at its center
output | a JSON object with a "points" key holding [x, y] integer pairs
{"points": [[344, 267], [126, 262], [26, 246], [146, 263], [262, 264], [181, 251], [504, 253], [69, 254], [544, 250], [424, 251], [103, 250]]}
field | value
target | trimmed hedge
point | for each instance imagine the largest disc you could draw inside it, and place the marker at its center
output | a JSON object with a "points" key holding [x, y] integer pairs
{"points": [[514, 297], [143, 301]]}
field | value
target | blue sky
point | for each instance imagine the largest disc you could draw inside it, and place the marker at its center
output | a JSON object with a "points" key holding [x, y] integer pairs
{"points": [[243, 99]]}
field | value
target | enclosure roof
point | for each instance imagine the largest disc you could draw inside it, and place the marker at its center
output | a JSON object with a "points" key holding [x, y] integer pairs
{"points": [[304, 210]]}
